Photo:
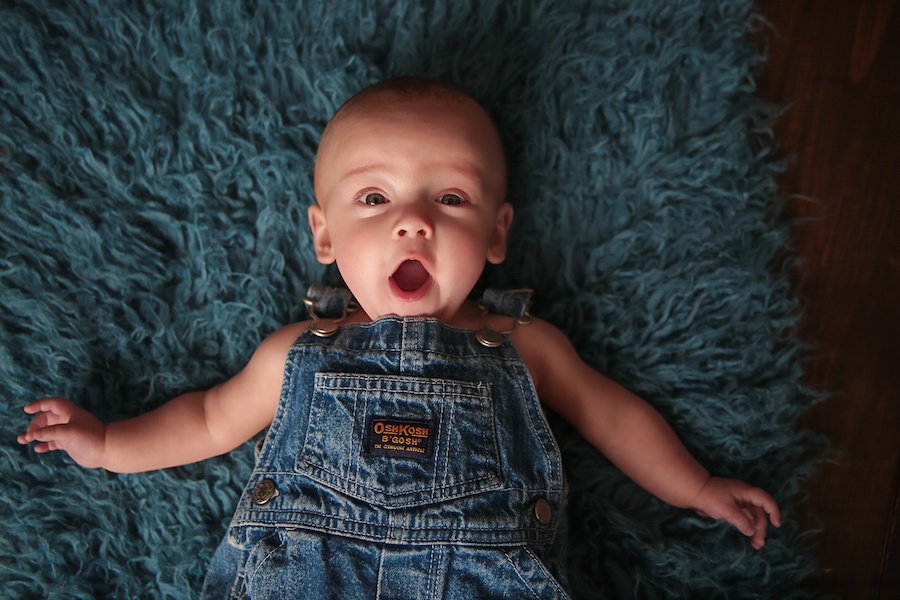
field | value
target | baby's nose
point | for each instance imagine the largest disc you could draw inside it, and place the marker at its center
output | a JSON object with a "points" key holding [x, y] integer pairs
{"points": [[415, 223]]}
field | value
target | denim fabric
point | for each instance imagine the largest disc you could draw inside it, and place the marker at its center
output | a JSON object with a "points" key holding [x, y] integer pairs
{"points": [[405, 460], [511, 303], [329, 302]]}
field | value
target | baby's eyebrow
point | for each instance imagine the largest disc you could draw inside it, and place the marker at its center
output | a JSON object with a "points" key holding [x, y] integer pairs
{"points": [[363, 170], [469, 170], [465, 168]]}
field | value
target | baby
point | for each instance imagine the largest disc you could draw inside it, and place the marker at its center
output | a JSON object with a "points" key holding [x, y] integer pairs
{"points": [[407, 453]]}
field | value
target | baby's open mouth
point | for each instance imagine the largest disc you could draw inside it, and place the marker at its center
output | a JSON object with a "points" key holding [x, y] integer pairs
{"points": [[410, 276]]}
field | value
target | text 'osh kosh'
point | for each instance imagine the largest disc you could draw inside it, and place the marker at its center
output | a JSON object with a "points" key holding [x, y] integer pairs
{"points": [[400, 438]]}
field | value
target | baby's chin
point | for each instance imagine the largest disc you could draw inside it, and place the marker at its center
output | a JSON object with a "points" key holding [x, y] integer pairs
{"points": [[420, 309]]}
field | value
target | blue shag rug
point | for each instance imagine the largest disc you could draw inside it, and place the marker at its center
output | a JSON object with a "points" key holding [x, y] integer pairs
{"points": [[155, 170]]}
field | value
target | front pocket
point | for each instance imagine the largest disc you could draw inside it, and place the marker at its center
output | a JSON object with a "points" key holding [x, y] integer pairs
{"points": [[401, 441]]}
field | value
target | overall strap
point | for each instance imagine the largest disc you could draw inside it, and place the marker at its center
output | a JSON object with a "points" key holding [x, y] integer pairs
{"points": [[325, 302], [329, 305], [328, 302], [509, 303]]}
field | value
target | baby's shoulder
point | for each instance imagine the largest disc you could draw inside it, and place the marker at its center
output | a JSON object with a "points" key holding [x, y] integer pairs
{"points": [[289, 333], [543, 348], [538, 335], [276, 345]]}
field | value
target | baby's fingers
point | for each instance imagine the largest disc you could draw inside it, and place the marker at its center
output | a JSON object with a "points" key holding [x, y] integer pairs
{"points": [[45, 420], [39, 431], [747, 508], [53, 437], [49, 411], [765, 506], [759, 517], [742, 519], [757, 508], [40, 447], [59, 407], [82, 438]]}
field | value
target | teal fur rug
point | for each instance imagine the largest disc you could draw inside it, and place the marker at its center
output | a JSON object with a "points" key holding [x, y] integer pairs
{"points": [[155, 170]]}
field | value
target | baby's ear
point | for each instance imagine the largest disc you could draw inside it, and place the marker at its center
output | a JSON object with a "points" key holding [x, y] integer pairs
{"points": [[321, 237], [497, 249]]}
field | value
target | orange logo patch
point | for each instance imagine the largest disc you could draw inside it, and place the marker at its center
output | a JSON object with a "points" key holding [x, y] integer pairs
{"points": [[399, 438]]}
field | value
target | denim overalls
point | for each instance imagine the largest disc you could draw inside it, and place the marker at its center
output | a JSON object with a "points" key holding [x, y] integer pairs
{"points": [[407, 459]]}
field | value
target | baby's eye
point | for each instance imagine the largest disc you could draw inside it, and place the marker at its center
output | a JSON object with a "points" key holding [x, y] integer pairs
{"points": [[373, 198], [450, 199]]}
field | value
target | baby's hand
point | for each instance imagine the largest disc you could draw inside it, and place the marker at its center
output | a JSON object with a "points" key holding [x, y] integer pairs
{"points": [[746, 507], [60, 425]]}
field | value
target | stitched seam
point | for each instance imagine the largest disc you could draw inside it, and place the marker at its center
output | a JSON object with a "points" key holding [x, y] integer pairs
{"points": [[269, 554], [550, 578], [515, 567]]}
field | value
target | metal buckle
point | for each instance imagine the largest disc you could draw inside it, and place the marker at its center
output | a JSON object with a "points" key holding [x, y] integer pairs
{"points": [[492, 338], [327, 327]]}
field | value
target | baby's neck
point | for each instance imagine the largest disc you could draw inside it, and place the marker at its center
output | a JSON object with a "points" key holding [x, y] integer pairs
{"points": [[469, 316]]}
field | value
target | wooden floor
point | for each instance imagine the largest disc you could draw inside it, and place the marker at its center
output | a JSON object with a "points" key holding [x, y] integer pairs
{"points": [[838, 62]]}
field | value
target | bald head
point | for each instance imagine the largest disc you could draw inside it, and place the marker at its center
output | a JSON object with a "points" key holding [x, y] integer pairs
{"points": [[415, 94]]}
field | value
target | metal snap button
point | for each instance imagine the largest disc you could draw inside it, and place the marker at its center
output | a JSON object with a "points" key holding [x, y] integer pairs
{"points": [[324, 328], [264, 491], [543, 512], [489, 338]]}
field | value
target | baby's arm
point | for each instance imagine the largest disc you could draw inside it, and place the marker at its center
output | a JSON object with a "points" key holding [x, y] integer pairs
{"points": [[635, 437], [188, 428]]}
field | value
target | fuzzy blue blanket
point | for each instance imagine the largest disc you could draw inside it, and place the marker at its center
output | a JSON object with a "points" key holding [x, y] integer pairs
{"points": [[155, 170]]}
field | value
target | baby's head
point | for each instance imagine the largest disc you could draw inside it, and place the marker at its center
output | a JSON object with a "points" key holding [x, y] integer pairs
{"points": [[410, 184]]}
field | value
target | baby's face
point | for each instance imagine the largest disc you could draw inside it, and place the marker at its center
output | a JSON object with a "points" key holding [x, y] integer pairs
{"points": [[411, 203]]}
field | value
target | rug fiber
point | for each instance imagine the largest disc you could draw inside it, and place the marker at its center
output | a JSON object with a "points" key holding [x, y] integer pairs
{"points": [[155, 170]]}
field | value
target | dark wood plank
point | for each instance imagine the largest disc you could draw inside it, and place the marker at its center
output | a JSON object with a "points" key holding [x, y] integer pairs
{"points": [[890, 571], [837, 62]]}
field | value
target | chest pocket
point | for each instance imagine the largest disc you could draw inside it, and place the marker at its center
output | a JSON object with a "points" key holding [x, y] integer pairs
{"points": [[401, 441]]}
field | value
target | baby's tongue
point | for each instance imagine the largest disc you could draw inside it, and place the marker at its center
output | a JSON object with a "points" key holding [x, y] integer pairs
{"points": [[410, 276]]}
